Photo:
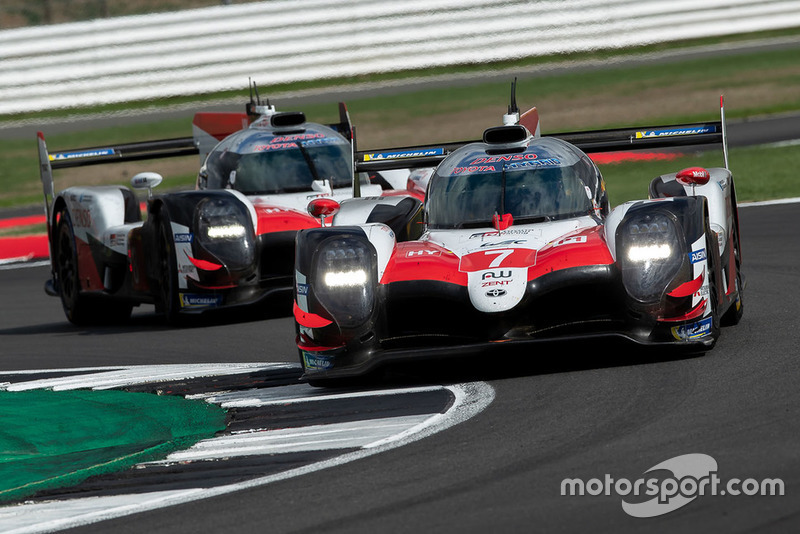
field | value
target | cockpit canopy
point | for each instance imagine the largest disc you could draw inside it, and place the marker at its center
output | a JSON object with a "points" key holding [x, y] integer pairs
{"points": [[261, 161], [547, 180]]}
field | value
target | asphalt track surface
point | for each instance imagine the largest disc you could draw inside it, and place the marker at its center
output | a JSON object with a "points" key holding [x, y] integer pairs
{"points": [[565, 411]]}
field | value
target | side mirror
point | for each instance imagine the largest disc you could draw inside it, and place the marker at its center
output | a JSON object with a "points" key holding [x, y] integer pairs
{"points": [[146, 180], [322, 207]]}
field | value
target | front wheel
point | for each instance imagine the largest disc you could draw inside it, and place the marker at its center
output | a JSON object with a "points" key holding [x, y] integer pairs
{"points": [[168, 283], [80, 308]]}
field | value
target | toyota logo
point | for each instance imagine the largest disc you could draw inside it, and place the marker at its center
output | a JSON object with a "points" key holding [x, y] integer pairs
{"points": [[495, 293]]}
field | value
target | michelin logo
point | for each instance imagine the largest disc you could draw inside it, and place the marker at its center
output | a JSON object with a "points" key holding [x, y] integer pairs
{"points": [[200, 301], [692, 331], [671, 132], [382, 156], [93, 153]]}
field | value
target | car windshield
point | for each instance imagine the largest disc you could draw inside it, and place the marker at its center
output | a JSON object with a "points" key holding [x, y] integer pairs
{"points": [[531, 191], [280, 167]]}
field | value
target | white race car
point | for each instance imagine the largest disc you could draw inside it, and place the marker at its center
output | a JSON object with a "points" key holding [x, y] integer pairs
{"points": [[228, 243], [517, 245]]}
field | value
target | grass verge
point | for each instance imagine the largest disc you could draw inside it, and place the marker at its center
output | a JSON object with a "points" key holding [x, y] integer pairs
{"points": [[614, 95]]}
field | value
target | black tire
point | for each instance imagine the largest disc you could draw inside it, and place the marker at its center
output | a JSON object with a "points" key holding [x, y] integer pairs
{"points": [[713, 262], [735, 312], [80, 308], [168, 283]]}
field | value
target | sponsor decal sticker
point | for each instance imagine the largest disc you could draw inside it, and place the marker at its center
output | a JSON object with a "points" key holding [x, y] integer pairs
{"points": [[496, 233], [692, 331], [697, 255], [93, 153], [400, 154], [671, 132], [506, 243], [184, 238], [189, 300], [496, 292], [504, 159], [547, 162], [572, 240], [423, 253], [496, 274], [474, 169], [317, 361]]}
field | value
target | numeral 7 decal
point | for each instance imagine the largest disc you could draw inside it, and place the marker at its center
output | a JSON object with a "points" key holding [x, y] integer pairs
{"points": [[501, 255], [495, 258]]}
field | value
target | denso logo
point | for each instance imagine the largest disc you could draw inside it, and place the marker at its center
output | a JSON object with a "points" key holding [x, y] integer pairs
{"points": [[501, 159], [698, 255]]}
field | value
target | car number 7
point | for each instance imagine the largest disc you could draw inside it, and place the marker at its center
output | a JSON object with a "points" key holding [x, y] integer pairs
{"points": [[501, 255]]}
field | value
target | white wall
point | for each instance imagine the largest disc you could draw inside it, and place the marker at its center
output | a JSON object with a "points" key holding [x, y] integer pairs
{"points": [[219, 48]]}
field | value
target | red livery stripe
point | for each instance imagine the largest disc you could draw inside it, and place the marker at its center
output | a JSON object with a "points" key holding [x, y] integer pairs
{"points": [[308, 319], [580, 248], [416, 260], [273, 219]]}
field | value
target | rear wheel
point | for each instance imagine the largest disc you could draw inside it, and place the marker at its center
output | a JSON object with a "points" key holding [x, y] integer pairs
{"points": [[80, 308], [735, 312], [713, 262]]}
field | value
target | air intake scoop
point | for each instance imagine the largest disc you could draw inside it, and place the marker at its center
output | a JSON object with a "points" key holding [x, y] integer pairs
{"points": [[503, 135], [287, 118]]}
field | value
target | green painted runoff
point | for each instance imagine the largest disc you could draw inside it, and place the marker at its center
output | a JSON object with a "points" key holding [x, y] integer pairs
{"points": [[53, 439]]}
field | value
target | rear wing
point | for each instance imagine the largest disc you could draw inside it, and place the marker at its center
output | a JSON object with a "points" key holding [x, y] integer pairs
{"points": [[608, 140], [208, 129]]}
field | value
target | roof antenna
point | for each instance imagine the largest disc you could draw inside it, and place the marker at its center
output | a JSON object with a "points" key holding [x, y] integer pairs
{"points": [[512, 117], [258, 98], [256, 108]]}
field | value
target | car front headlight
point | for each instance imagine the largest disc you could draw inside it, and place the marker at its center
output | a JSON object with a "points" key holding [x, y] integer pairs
{"points": [[344, 282], [651, 254], [224, 229]]}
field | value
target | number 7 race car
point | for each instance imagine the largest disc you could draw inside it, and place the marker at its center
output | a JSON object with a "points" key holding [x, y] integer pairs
{"points": [[228, 243], [514, 244]]}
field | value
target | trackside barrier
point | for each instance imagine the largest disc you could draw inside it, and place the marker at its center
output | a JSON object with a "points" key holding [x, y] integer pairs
{"points": [[219, 48]]}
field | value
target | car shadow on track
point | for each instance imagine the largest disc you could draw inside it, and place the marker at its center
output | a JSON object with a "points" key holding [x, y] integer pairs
{"points": [[547, 358], [148, 321]]}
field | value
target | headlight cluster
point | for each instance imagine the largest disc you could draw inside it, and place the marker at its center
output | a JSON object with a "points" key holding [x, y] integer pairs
{"points": [[224, 229], [651, 254], [345, 279]]}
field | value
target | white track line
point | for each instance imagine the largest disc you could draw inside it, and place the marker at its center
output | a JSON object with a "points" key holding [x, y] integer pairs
{"points": [[36, 518]]}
